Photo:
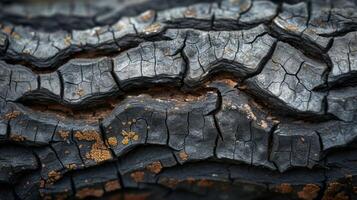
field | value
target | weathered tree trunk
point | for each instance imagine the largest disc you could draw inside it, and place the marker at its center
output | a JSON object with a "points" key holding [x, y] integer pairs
{"points": [[154, 99]]}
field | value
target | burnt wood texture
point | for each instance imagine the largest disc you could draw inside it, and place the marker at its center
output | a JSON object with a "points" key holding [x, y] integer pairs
{"points": [[155, 99]]}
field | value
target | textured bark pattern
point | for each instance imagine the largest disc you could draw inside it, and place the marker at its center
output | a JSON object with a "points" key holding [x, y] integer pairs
{"points": [[231, 99]]}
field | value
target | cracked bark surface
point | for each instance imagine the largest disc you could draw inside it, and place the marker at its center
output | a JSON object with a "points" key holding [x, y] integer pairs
{"points": [[249, 99]]}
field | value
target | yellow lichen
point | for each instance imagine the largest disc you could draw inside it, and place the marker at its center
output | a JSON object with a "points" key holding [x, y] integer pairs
{"points": [[284, 188], [15, 35], [129, 135], [332, 191], [309, 192], [112, 141], [147, 15], [99, 152], [190, 12], [7, 29], [89, 192], [125, 141], [53, 176], [292, 27], [80, 92], [137, 176], [17, 138], [263, 124], [71, 166], [169, 182], [183, 155], [64, 134], [205, 183], [153, 28], [12, 115], [67, 40], [155, 167], [112, 185], [248, 110]]}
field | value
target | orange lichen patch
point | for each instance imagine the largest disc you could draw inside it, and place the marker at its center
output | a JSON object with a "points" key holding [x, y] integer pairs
{"points": [[71, 166], [354, 189], [112, 141], [99, 152], [245, 5], [7, 29], [80, 92], [89, 192], [284, 188], [17, 138], [292, 27], [57, 197], [99, 31], [112, 185], [26, 51], [147, 15], [341, 196], [15, 35], [205, 183], [155, 167], [129, 135], [228, 50], [263, 124], [309, 192], [88, 135], [332, 189], [12, 115], [190, 180], [67, 40], [63, 134], [130, 196], [248, 110], [230, 82], [223, 77], [173, 94], [169, 182], [153, 28], [190, 12], [53, 176], [119, 26], [183, 155], [138, 176]]}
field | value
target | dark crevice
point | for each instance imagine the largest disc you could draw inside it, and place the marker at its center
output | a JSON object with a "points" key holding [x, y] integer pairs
{"points": [[73, 186], [271, 143], [186, 62], [61, 82], [115, 77], [307, 47], [120, 177], [112, 49], [77, 147], [216, 124], [57, 157], [104, 139]]}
